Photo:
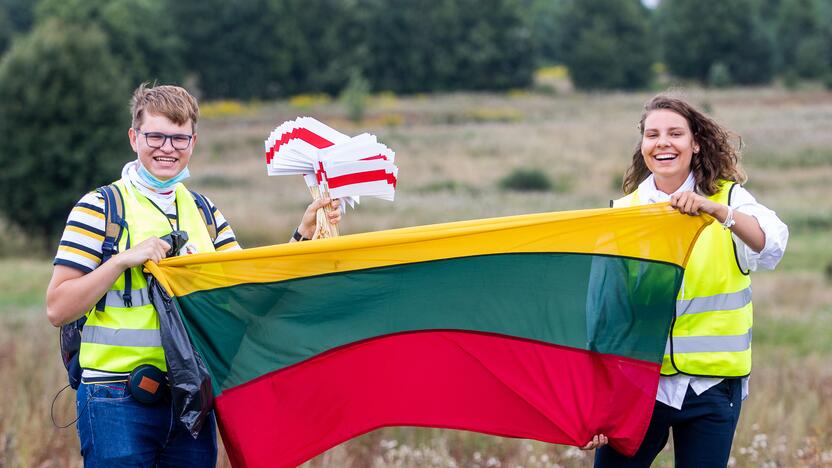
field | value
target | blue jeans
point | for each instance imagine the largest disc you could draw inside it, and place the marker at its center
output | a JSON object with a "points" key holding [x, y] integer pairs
{"points": [[703, 430], [117, 431]]}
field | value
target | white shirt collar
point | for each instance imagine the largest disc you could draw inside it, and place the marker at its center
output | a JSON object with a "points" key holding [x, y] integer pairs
{"points": [[164, 200], [650, 194]]}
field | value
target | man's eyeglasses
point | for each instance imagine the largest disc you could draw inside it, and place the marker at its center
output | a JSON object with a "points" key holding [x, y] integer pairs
{"points": [[179, 141]]}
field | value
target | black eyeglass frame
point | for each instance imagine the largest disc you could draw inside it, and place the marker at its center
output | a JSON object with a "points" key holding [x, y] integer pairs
{"points": [[166, 138]]}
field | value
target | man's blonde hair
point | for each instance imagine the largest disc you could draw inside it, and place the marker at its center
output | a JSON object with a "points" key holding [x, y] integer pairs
{"points": [[173, 102]]}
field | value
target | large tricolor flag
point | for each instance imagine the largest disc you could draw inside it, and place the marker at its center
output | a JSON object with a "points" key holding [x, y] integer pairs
{"points": [[547, 326]]}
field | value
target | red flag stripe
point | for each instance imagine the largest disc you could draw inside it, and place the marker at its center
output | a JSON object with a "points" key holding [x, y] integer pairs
{"points": [[361, 177], [298, 134], [378, 156], [460, 380]]}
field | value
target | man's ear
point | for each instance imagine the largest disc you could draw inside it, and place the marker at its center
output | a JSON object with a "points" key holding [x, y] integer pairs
{"points": [[132, 135]]}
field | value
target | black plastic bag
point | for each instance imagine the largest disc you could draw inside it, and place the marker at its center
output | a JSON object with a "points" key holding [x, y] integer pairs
{"points": [[189, 379], [70, 338]]}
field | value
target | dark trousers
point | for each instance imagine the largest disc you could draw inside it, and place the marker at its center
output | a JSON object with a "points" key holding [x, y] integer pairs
{"points": [[703, 430]]}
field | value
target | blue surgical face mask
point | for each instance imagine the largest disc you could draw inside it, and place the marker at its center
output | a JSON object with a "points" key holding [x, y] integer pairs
{"points": [[157, 184]]}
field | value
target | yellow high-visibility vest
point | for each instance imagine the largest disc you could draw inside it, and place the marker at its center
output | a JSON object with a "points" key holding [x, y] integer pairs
{"points": [[123, 336], [711, 334]]}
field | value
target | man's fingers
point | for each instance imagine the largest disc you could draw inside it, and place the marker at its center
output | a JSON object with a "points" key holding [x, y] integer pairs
{"points": [[317, 204]]}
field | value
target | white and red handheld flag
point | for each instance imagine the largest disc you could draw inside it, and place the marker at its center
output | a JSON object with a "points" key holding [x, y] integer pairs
{"points": [[333, 164]]}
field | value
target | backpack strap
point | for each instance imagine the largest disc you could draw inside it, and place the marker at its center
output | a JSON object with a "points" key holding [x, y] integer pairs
{"points": [[207, 215], [115, 225], [113, 228]]}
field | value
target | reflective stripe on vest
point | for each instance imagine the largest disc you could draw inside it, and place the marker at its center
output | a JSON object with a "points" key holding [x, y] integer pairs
{"points": [[120, 338], [705, 344], [727, 301], [711, 335]]}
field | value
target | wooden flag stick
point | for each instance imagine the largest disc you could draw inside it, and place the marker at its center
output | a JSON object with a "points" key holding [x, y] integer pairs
{"points": [[316, 195], [323, 227], [333, 229]]}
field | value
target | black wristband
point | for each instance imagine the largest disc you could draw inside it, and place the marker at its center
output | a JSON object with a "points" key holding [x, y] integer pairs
{"points": [[299, 237]]}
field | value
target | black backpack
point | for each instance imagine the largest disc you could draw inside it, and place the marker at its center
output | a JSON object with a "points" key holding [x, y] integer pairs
{"points": [[70, 335]]}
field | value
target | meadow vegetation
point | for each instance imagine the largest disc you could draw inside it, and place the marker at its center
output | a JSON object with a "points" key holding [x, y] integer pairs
{"points": [[453, 151]]}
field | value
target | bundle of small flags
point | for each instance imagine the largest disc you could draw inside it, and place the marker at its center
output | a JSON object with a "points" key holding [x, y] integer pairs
{"points": [[333, 164]]}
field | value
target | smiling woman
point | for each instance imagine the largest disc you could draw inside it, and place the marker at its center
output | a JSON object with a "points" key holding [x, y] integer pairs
{"points": [[667, 147], [686, 158]]}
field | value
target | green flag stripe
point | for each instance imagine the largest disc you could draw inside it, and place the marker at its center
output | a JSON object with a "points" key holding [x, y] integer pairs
{"points": [[603, 304]]}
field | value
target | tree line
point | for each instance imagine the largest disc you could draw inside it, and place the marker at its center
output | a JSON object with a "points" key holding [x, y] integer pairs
{"points": [[266, 49]]}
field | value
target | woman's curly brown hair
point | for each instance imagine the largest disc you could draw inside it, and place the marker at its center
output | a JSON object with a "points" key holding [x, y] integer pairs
{"points": [[716, 160]]}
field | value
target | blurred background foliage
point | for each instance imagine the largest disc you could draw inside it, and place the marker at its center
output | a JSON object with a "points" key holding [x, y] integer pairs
{"points": [[495, 108], [62, 123], [266, 49], [271, 49]]}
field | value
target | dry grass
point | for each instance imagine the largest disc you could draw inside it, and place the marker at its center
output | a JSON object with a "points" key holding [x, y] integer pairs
{"points": [[452, 151]]}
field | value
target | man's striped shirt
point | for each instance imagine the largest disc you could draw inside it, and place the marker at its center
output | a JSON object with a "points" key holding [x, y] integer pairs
{"points": [[83, 237]]}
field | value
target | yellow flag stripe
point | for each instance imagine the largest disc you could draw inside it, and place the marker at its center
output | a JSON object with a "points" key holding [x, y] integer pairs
{"points": [[653, 232]]}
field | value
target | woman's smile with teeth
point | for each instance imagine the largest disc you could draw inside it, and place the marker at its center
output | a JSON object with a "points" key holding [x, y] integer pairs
{"points": [[667, 148]]}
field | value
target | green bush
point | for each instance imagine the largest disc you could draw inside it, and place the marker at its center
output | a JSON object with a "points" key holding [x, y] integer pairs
{"points": [[719, 76], [355, 96], [526, 180], [63, 124], [791, 80]]}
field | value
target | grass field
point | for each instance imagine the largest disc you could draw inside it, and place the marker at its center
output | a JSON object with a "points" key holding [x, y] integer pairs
{"points": [[452, 151]]}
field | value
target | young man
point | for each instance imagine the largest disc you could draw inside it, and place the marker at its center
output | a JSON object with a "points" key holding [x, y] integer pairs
{"points": [[114, 428]]}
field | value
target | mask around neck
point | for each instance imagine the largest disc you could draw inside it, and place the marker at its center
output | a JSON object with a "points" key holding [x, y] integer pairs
{"points": [[151, 181]]}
